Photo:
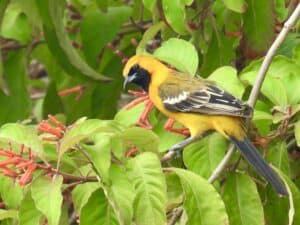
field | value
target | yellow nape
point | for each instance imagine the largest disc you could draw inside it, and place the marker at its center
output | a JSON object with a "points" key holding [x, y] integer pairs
{"points": [[146, 62]]}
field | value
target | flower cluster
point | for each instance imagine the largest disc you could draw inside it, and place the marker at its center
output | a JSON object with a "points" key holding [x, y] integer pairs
{"points": [[53, 127], [16, 165]]}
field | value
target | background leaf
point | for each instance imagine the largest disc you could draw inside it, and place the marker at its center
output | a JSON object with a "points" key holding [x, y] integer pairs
{"points": [[109, 21], [59, 43], [13, 198], [150, 187], [239, 6], [258, 36], [203, 156], [20, 134], [242, 200], [186, 58], [200, 199], [97, 210], [29, 214], [226, 77], [47, 196]]}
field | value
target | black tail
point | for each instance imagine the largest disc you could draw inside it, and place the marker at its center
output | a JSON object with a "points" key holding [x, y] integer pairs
{"points": [[251, 154]]}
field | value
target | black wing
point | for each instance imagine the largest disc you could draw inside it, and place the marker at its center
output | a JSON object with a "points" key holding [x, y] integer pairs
{"points": [[207, 99]]}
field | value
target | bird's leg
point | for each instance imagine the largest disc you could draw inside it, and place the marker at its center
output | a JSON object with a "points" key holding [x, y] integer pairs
{"points": [[175, 149], [169, 127], [143, 120]]}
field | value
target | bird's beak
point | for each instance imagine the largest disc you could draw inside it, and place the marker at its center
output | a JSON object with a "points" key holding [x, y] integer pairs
{"points": [[128, 80]]}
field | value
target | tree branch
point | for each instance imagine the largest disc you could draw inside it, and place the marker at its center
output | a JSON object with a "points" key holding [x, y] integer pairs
{"points": [[258, 83]]}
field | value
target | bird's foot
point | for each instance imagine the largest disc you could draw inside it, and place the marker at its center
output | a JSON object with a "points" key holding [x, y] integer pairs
{"points": [[169, 127], [132, 152]]}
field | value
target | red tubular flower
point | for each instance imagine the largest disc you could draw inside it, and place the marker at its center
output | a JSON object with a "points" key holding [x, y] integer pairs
{"points": [[57, 130], [16, 166], [26, 177]]}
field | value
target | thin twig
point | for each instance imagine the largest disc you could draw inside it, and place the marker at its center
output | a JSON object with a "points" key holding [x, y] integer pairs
{"points": [[259, 81], [87, 156], [218, 170], [175, 215]]}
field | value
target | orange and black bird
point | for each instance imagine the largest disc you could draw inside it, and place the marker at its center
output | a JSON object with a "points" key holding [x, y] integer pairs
{"points": [[200, 106]]}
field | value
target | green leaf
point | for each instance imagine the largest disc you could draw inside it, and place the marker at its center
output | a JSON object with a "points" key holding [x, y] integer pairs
{"points": [[129, 117], [203, 156], [239, 6], [84, 130], [150, 187], [6, 214], [281, 9], [3, 6], [147, 36], [166, 139], [285, 71], [262, 120], [220, 52], [288, 45], [278, 97], [82, 193], [122, 193], [174, 191], [258, 36], [143, 139], [21, 134], [52, 12], [15, 24], [242, 200], [276, 208], [98, 211], [202, 203], [100, 154], [47, 196], [278, 156], [16, 79], [297, 132], [109, 22], [296, 54], [294, 198], [105, 101], [292, 82], [261, 115], [52, 103], [102, 4], [14, 196], [28, 214], [174, 11], [149, 4], [226, 77], [185, 59], [30, 9]]}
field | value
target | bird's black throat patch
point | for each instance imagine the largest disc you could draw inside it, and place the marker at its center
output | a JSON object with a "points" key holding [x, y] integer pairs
{"points": [[140, 77]]}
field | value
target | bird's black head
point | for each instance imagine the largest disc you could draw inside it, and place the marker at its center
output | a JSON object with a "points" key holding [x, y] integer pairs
{"points": [[139, 76]]}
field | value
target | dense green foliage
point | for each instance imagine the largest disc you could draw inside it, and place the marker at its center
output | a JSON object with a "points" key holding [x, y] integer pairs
{"points": [[87, 172]]}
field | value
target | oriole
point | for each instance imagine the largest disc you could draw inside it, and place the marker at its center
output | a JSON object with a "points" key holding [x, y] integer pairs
{"points": [[200, 106]]}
